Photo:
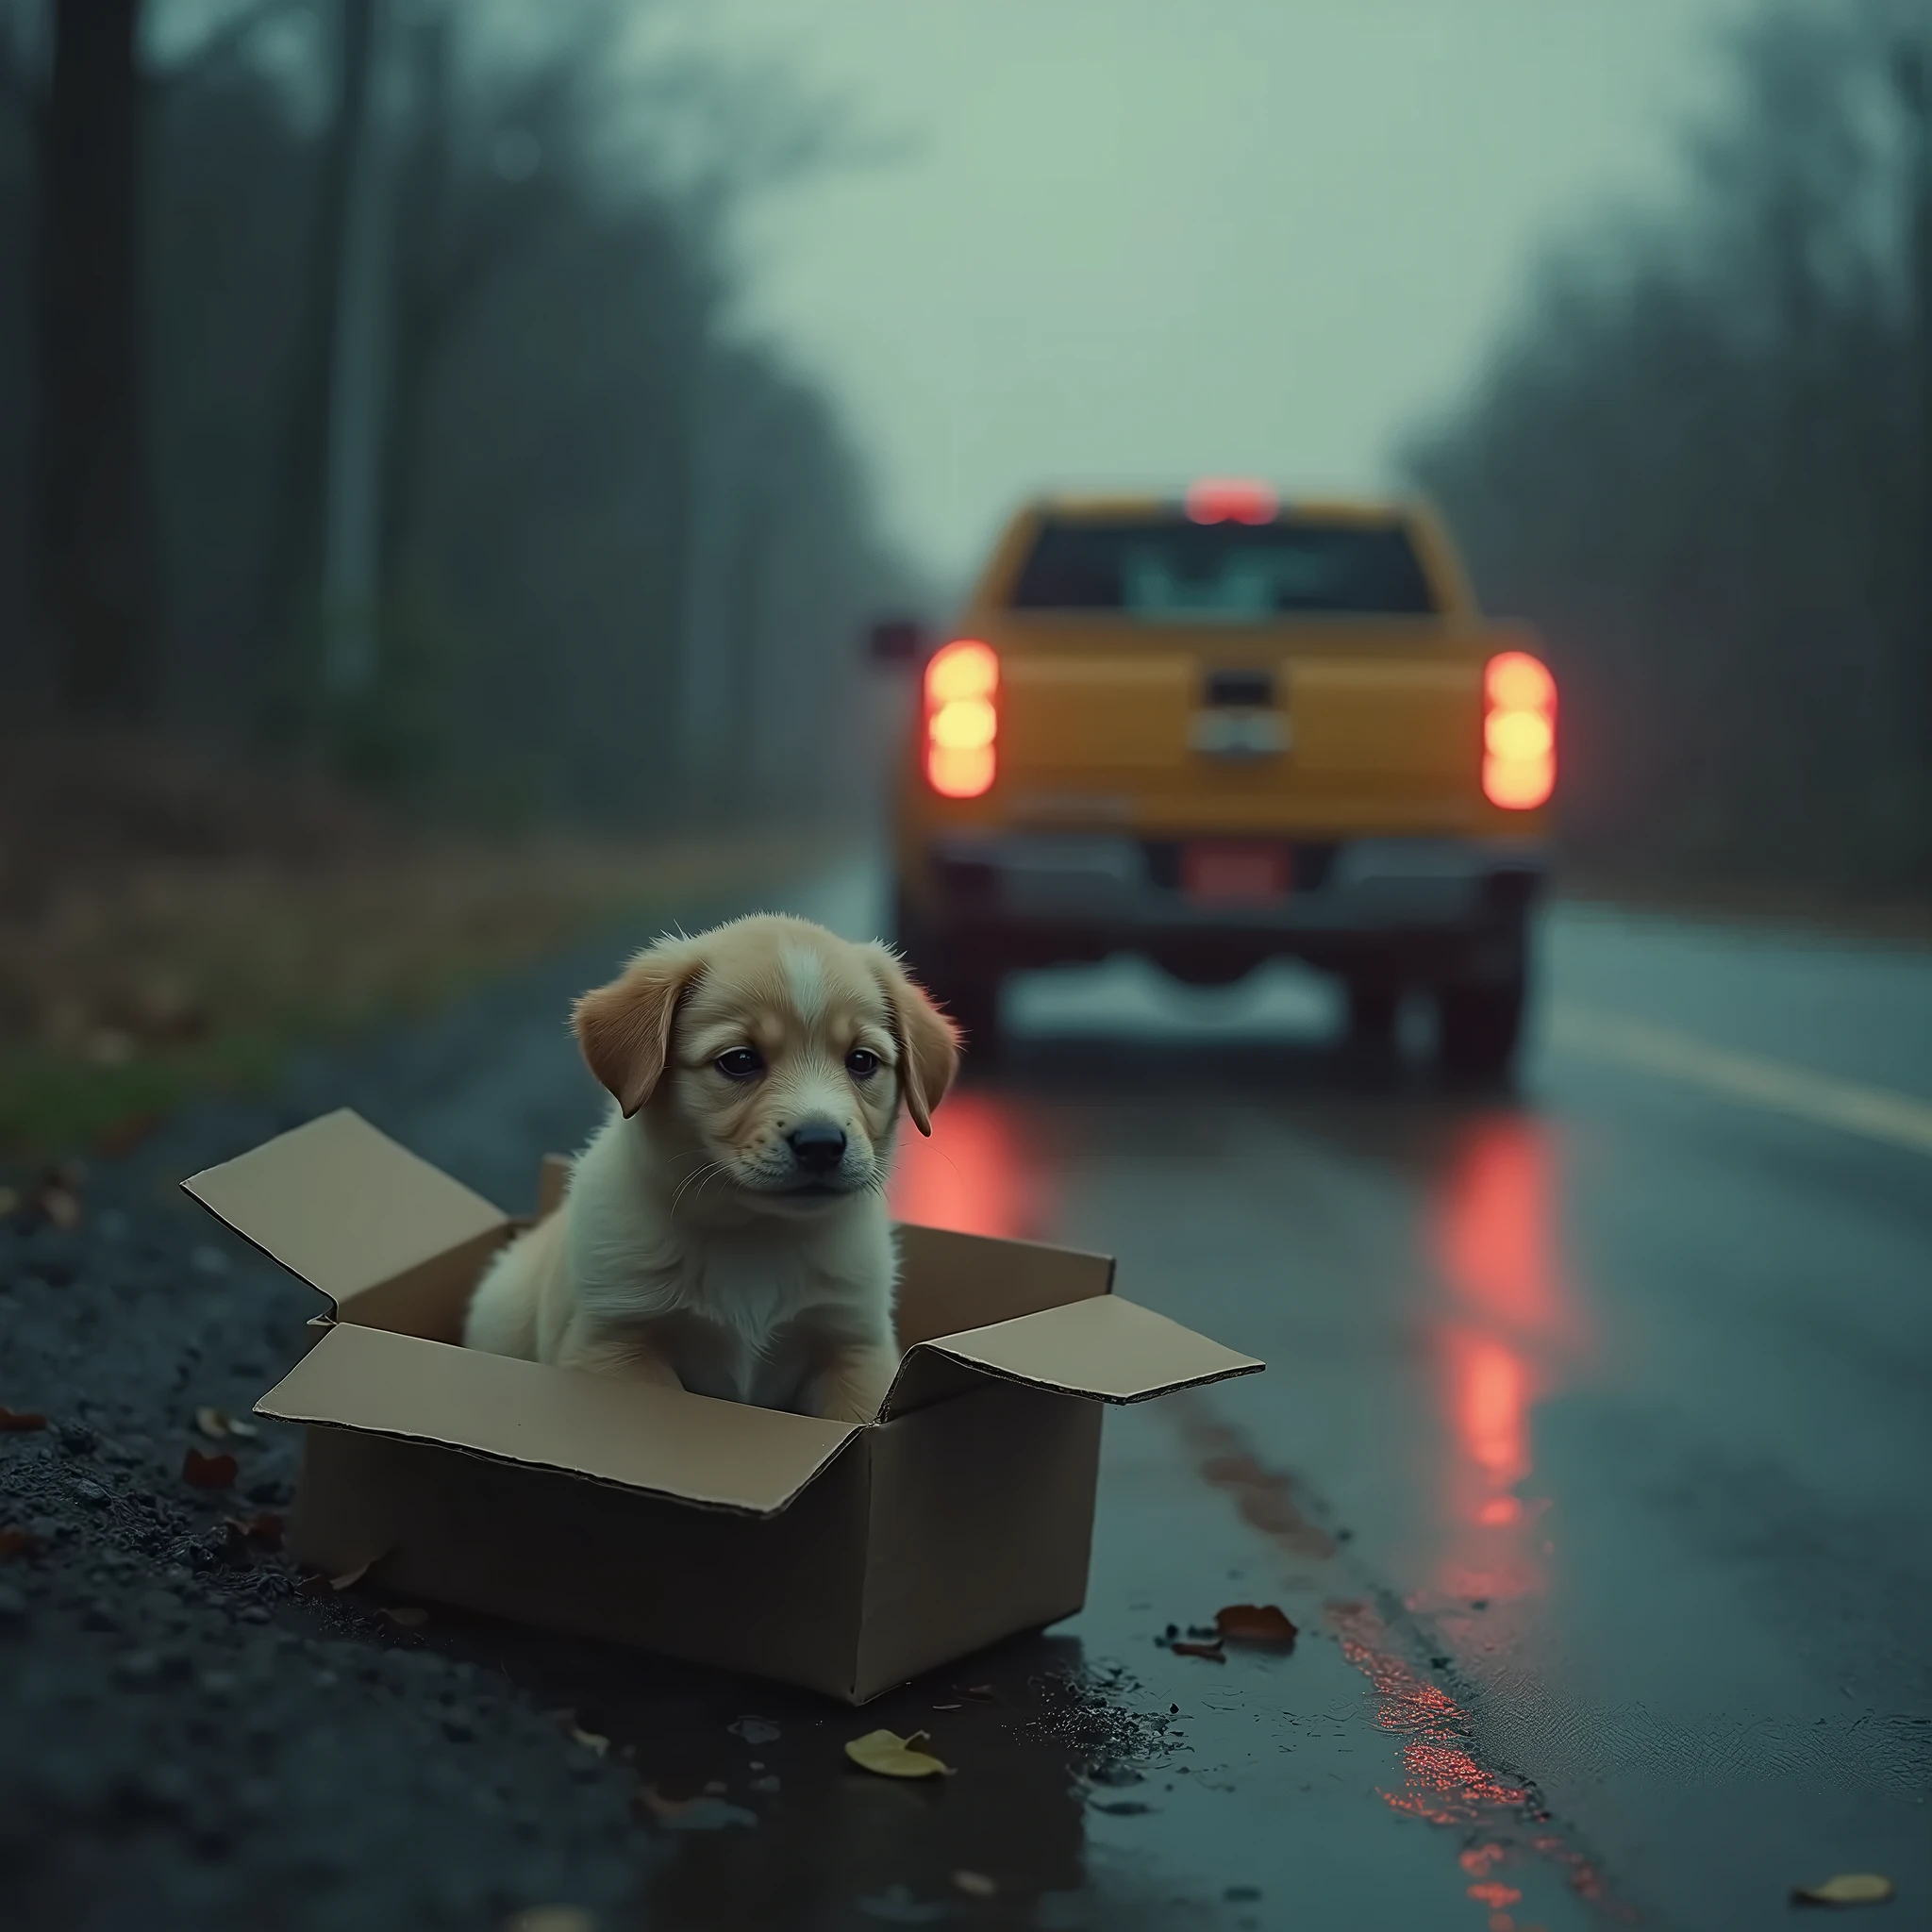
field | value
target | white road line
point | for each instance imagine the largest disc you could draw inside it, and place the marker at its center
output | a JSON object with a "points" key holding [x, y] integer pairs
{"points": [[1901, 1120]]}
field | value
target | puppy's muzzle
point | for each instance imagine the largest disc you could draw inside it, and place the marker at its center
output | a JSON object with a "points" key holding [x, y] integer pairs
{"points": [[818, 1148]]}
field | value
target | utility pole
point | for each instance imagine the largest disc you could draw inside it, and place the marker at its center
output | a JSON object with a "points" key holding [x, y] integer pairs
{"points": [[358, 363]]}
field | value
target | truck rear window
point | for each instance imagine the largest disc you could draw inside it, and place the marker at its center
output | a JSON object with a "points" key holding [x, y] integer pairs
{"points": [[1231, 572]]}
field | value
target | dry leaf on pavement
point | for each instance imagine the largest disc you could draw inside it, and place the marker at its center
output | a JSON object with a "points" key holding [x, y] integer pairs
{"points": [[1210, 1650], [18, 1420], [551, 1918], [692, 1814], [61, 1206], [217, 1425], [891, 1755], [210, 1471], [1845, 1888], [1259, 1623]]}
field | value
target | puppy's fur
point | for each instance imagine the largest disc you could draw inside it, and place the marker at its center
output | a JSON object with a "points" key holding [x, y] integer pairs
{"points": [[714, 1236]]}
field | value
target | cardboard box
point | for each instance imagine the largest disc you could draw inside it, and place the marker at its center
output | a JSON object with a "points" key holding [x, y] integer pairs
{"points": [[845, 1558]]}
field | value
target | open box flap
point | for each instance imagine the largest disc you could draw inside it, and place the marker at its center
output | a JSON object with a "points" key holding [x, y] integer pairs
{"points": [[636, 1436], [1102, 1347], [344, 1206]]}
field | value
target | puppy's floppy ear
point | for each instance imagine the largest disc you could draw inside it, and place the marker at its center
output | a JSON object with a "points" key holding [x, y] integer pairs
{"points": [[625, 1028], [929, 1043]]}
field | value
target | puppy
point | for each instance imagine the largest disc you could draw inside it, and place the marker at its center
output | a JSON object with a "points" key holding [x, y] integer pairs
{"points": [[724, 1230]]}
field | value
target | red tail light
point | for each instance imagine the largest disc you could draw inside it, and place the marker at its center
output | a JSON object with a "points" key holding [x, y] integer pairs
{"points": [[1519, 731], [962, 720]]}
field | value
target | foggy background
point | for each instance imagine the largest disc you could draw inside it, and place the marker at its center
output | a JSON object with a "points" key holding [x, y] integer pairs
{"points": [[516, 413]]}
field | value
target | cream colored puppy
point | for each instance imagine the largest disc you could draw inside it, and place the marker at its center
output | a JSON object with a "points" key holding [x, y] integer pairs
{"points": [[726, 1229]]}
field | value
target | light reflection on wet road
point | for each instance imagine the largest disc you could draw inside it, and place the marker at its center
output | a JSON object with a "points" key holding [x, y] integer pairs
{"points": [[1612, 1394]]}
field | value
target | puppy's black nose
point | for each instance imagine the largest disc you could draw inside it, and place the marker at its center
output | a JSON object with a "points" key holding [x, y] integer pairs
{"points": [[818, 1146]]}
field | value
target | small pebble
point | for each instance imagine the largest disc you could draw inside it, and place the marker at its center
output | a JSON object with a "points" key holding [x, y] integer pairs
{"points": [[138, 1669]]}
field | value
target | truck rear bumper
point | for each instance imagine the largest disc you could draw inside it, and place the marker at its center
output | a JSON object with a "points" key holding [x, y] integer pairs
{"points": [[1041, 896]]}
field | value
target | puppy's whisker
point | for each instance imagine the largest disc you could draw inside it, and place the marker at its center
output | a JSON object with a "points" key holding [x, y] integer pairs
{"points": [[702, 1177]]}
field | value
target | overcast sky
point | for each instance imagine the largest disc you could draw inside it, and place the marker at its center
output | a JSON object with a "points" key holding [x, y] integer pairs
{"points": [[1136, 241]]}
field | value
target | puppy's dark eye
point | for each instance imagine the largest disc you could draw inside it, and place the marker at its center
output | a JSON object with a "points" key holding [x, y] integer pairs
{"points": [[741, 1063], [861, 1063]]}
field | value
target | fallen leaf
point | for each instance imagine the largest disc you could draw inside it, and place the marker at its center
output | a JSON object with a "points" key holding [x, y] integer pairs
{"points": [[891, 1755], [61, 1206], [210, 1471], [591, 1741], [551, 1918], [897, 1907], [350, 1578], [17, 1542], [217, 1425], [692, 1814], [1846, 1888], [125, 1135], [974, 1884], [754, 1730], [1210, 1650], [406, 1616], [1260, 1624], [18, 1420], [949, 1707], [264, 1528]]}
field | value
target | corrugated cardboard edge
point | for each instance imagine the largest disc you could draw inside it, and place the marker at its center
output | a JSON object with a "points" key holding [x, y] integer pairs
{"points": [[1248, 1366], [403, 1389], [479, 1222], [577, 1476], [1070, 1332]]}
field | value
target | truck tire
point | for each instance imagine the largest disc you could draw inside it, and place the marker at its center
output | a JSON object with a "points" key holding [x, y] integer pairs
{"points": [[1372, 1008], [962, 975], [1479, 1021]]}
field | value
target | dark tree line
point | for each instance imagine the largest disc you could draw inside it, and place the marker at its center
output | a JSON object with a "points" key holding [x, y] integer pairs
{"points": [[617, 556], [1704, 463]]}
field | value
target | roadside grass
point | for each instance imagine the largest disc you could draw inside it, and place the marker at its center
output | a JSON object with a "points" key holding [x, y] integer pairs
{"points": [[130, 994]]}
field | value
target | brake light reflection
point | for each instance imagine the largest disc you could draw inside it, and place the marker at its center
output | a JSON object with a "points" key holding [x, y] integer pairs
{"points": [[1519, 731], [1510, 1324], [961, 722]]}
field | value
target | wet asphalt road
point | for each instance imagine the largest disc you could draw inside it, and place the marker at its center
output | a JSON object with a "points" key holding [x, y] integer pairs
{"points": [[1590, 1460]]}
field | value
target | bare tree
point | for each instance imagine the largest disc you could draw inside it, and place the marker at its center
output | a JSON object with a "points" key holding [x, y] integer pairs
{"points": [[1701, 460], [94, 538]]}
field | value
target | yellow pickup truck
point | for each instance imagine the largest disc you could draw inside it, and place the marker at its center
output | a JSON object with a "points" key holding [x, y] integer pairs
{"points": [[1223, 728]]}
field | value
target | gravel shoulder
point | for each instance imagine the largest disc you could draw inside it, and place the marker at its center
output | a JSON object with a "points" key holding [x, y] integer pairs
{"points": [[192, 1739]]}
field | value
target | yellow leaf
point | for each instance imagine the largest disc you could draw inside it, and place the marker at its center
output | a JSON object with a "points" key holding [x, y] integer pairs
{"points": [[891, 1755], [590, 1740], [1845, 1888]]}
